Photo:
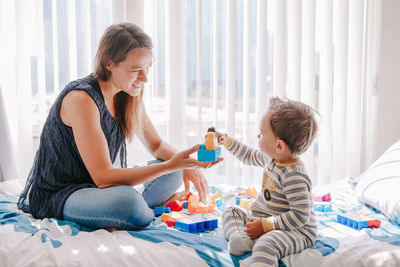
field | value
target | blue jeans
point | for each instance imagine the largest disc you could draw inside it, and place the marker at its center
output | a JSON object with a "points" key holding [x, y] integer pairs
{"points": [[122, 207]]}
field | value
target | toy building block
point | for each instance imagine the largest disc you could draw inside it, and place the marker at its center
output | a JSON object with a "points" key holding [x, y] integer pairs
{"points": [[325, 198], [251, 191], [214, 197], [176, 205], [197, 224], [358, 221], [238, 198], [185, 204], [172, 217], [246, 203], [220, 204], [211, 141], [194, 206], [208, 155], [161, 209], [323, 207]]}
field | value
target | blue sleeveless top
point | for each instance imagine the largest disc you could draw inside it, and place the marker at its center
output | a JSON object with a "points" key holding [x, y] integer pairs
{"points": [[58, 169]]}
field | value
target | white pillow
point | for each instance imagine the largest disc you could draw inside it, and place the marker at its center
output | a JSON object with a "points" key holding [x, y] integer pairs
{"points": [[379, 186]]}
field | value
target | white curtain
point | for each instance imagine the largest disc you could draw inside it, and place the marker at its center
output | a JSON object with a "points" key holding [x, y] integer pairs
{"points": [[216, 63]]}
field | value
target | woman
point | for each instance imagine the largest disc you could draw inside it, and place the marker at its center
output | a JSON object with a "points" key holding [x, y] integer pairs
{"points": [[73, 176]]}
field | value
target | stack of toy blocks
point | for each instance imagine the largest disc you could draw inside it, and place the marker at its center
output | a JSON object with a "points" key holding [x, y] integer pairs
{"points": [[358, 221], [246, 199], [196, 224], [209, 151], [217, 199], [323, 203]]}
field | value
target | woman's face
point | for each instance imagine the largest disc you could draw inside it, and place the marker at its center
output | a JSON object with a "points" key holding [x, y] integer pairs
{"points": [[131, 74]]}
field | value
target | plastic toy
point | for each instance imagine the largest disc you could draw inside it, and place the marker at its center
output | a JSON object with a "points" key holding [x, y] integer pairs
{"points": [[209, 151], [239, 198], [220, 205], [197, 224], [173, 216], [325, 198], [194, 206], [358, 221], [251, 191], [176, 205], [161, 209], [322, 207], [246, 203]]}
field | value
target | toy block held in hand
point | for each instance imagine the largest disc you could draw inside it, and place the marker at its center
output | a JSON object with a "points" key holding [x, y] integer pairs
{"points": [[208, 155], [358, 220], [211, 141]]}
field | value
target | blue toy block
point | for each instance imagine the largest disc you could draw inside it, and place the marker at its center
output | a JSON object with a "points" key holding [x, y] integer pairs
{"points": [[238, 198], [161, 209], [185, 204], [358, 221], [323, 207], [198, 224], [208, 155], [220, 205]]}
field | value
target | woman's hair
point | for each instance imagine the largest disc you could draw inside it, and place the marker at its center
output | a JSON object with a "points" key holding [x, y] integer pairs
{"points": [[115, 44], [293, 122]]}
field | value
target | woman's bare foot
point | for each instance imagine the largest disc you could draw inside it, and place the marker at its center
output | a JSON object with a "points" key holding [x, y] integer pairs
{"points": [[111, 229]]}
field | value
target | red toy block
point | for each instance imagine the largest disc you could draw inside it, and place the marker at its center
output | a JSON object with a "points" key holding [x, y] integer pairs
{"points": [[176, 205]]}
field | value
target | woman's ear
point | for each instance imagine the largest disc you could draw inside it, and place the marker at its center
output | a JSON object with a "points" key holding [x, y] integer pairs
{"points": [[109, 65]]}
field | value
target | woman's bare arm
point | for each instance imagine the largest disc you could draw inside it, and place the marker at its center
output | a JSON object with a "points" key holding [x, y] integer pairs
{"points": [[80, 112]]}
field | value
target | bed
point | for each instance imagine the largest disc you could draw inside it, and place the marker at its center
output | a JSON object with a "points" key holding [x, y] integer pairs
{"points": [[26, 241]]}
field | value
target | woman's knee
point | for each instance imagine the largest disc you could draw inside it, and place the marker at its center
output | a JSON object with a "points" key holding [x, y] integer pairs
{"points": [[132, 208]]}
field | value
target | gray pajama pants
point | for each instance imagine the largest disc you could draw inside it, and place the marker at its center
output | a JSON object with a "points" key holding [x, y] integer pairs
{"points": [[268, 248]]}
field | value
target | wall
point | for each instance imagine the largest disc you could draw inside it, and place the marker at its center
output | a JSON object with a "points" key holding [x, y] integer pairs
{"points": [[388, 81]]}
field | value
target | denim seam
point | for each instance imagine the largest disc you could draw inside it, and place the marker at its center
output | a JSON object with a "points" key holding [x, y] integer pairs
{"points": [[107, 219]]}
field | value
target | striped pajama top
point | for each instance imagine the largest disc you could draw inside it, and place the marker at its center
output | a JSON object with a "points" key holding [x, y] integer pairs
{"points": [[286, 197]]}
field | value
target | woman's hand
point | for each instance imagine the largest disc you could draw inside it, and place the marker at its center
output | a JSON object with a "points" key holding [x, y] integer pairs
{"points": [[254, 228], [196, 176], [182, 160]]}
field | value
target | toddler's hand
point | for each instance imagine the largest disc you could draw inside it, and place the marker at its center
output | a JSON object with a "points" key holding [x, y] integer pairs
{"points": [[221, 137], [254, 228]]}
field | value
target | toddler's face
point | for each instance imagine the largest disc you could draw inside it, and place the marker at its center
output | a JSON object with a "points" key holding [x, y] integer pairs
{"points": [[266, 138]]}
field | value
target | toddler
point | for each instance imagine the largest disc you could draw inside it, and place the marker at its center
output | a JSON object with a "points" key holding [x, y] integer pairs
{"points": [[281, 220]]}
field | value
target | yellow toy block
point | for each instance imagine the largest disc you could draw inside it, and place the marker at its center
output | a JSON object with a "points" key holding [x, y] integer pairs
{"points": [[251, 192], [210, 141], [246, 203]]}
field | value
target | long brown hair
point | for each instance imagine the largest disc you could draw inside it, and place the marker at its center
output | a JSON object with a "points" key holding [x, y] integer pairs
{"points": [[115, 44]]}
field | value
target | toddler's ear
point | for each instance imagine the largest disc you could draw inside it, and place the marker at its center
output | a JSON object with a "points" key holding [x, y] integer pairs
{"points": [[281, 146]]}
